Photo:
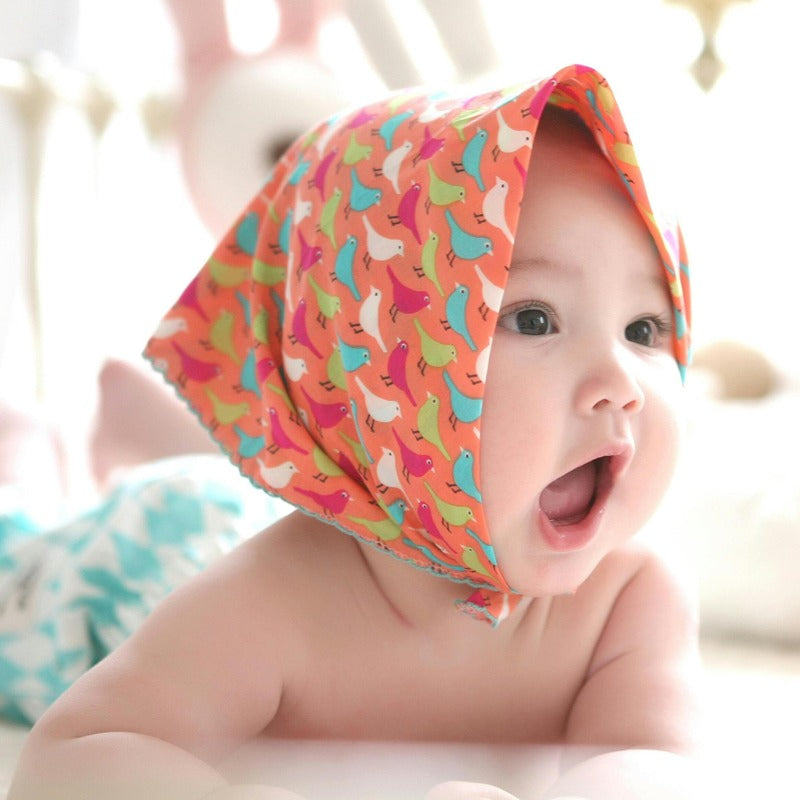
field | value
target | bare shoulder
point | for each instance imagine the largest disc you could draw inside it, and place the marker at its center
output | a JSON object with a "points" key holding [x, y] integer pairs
{"points": [[641, 688], [206, 670]]}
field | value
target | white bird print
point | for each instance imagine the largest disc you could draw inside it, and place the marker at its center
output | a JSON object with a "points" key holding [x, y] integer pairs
{"points": [[277, 477], [509, 140], [369, 317], [169, 327], [381, 248], [494, 207], [302, 209], [379, 409], [386, 469], [482, 362], [492, 294], [295, 367], [391, 164]]}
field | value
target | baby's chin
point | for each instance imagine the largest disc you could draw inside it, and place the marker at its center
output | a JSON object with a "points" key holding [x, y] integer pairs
{"points": [[552, 574]]}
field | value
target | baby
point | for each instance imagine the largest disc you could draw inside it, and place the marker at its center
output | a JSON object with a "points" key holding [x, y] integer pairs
{"points": [[365, 344]]}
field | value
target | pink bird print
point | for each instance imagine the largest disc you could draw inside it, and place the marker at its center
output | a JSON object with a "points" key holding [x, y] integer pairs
{"points": [[308, 255], [326, 415], [397, 370], [426, 518], [189, 298], [349, 467], [416, 464], [321, 171], [407, 300], [429, 147], [406, 211], [539, 100], [300, 331], [331, 504], [363, 117], [280, 439], [263, 369], [193, 369]]}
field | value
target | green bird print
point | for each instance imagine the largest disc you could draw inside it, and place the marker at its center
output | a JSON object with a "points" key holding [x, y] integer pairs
{"points": [[327, 216], [386, 529], [428, 424], [434, 352], [470, 557], [442, 193], [329, 304], [452, 514], [428, 260], [221, 336]]}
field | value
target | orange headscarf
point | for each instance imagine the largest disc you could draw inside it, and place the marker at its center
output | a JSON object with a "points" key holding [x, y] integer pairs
{"points": [[336, 343]]}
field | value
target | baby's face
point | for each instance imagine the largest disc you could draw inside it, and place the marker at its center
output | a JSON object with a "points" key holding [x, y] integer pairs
{"points": [[581, 421]]}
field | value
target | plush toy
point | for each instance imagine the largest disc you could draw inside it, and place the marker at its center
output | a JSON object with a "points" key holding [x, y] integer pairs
{"points": [[238, 112]]}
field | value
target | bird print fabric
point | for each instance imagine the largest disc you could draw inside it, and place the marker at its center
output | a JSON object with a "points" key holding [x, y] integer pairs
{"points": [[336, 342]]}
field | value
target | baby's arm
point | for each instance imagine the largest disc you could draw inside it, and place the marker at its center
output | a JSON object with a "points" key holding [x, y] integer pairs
{"points": [[642, 683], [640, 700], [198, 678]]}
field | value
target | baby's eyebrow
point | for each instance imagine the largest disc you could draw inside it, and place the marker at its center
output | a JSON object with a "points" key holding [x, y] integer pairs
{"points": [[545, 263]]}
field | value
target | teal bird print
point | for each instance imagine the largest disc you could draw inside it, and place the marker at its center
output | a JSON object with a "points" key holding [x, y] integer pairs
{"points": [[487, 549], [284, 234], [362, 196], [428, 424], [464, 474], [434, 352], [245, 305], [300, 169], [396, 509], [327, 216], [471, 157], [248, 376], [465, 408], [452, 513], [456, 312], [247, 233], [464, 244], [249, 446], [353, 356], [388, 128], [343, 267]]}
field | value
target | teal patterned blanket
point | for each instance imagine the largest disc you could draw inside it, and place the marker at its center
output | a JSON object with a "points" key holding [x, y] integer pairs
{"points": [[70, 593]]}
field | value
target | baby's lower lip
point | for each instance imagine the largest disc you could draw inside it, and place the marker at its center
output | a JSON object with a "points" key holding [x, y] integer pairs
{"points": [[577, 535]]}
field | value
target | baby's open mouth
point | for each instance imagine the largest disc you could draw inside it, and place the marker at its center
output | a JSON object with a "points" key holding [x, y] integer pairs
{"points": [[568, 499]]}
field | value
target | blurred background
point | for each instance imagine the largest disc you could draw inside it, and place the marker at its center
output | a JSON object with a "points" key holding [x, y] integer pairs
{"points": [[131, 133]]}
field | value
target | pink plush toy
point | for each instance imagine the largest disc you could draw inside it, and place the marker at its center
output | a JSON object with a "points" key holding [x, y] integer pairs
{"points": [[239, 111]]}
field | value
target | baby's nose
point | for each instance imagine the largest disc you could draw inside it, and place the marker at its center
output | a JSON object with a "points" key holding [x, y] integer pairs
{"points": [[610, 383]]}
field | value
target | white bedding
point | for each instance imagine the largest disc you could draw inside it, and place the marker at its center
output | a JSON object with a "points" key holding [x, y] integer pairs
{"points": [[753, 696]]}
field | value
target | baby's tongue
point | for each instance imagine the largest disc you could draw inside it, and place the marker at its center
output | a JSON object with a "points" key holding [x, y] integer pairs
{"points": [[567, 499]]}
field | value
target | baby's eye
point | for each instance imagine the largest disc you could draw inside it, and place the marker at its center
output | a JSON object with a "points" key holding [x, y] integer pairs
{"points": [[532, 321], [648, 332]]}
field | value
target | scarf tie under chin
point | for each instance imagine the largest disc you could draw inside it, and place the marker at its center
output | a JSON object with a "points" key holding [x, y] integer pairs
{"points": [[336, 343]]}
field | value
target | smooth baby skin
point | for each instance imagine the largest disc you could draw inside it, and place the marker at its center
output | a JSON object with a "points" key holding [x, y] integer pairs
{"points": [[304, 632]]}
